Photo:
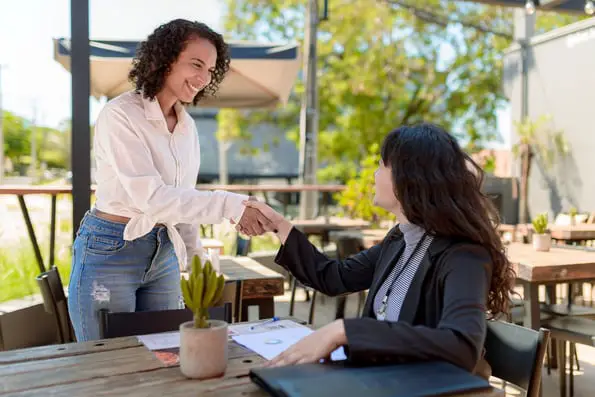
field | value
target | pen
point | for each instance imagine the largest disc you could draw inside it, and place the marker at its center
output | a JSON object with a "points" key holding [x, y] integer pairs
{"points": [[272, 320]]}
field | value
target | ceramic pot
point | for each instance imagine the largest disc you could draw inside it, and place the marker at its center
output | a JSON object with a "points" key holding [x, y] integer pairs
{"points": [[203, 351], [542, 242]]}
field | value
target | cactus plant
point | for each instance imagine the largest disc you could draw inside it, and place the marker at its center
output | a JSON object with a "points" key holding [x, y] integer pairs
{"points": [[540, 223], [202, 290]]}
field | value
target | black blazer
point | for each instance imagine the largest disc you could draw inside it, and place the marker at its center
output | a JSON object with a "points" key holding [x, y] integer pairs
{"points": [[443, 316]]}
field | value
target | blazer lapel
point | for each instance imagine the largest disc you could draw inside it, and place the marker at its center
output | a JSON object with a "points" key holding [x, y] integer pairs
{"points": [[411, 301], [389, 258]]}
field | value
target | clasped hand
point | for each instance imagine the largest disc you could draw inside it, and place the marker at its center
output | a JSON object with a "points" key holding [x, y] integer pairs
{"points": [[258, 218]]}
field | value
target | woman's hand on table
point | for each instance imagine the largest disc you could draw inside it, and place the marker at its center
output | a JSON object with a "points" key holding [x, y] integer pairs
{"points": [[314, 347]]}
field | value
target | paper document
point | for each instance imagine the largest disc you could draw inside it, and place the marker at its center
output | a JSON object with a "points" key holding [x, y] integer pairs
{"points": [[166, 340], [272, 343], [263, 326]]}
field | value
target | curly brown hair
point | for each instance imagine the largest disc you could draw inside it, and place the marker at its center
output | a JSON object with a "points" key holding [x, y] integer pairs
{"points": [[439, 188], [155, 56]]}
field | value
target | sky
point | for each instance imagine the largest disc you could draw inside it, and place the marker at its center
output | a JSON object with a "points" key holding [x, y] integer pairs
{"points": [[35, 86]]}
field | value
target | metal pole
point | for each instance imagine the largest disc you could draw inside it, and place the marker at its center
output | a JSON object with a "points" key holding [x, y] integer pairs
{"points": [[81, 91], [309, 116], [1, 133]]}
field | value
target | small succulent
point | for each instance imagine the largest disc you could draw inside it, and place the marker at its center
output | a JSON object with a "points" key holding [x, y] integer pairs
{"points": [[202, 290], [540, 223]]}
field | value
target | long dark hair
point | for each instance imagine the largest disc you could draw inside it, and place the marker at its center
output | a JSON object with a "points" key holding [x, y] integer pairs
{"points": [[439, 188], [155, 56]]}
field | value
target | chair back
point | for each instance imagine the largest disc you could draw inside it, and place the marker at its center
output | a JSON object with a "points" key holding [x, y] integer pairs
{"points": [[516, 354], [115, 325], [242, 246], [348, 246], [55, 303]]}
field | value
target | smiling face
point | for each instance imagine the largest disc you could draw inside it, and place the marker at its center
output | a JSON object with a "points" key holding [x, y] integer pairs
{"points": [[191, 72]]}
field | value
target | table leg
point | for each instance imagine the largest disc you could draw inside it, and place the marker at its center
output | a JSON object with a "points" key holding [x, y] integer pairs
{"points": [[52, 232], [551, 294], [340, 309], [532, 318], [31, 232]]}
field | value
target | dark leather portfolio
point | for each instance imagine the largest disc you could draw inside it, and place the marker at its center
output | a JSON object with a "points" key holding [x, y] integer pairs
{"points": [[345, 380]]}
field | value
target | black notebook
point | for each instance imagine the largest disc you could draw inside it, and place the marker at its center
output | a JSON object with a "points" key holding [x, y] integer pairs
{"points": [[344, 380]]}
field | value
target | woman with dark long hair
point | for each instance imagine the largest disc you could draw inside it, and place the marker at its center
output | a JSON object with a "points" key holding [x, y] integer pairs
{"points": [[434, 279]]}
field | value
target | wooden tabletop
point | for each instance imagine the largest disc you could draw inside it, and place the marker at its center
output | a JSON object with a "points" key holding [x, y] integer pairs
{"points": [[123, 366], [557, 265], [211, 243], [581, 231], [258, 281]]}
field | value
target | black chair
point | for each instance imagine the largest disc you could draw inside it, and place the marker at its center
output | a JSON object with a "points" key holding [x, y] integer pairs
{"points": [[56, 304], [346, 247], [243, 246], [516, 354], [572, 330], [114, 325]]}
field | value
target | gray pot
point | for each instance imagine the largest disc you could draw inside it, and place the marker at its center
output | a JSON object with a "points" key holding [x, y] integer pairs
{"points": [[203, 351]]}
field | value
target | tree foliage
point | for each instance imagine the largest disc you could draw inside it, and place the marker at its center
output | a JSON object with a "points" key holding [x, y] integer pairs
{"points": [[52, 146], [385, 63]]}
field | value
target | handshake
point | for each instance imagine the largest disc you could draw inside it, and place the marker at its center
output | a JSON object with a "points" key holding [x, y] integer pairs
{"points": [[258, 218]]}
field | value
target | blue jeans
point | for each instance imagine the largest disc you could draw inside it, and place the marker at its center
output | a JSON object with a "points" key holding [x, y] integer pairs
{"points": [[121, 276]]}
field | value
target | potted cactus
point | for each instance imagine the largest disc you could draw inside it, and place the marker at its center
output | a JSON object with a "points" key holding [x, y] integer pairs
{"points": [[203, 342], [573, 212], [542, 239]]}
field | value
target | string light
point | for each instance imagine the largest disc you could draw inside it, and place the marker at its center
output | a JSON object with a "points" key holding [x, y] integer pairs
{"points": [[589, 7], [530, 7]]}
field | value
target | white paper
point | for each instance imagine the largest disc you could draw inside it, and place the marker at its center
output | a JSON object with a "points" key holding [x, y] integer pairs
{"points": [[263, 326], [166, 340], [272, 343]]}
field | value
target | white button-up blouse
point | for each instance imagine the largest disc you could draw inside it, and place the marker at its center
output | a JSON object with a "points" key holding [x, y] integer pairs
{"points": [[148, 174]]}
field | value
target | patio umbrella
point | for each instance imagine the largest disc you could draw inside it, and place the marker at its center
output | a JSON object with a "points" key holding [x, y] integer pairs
{"points": [[261, 75]]}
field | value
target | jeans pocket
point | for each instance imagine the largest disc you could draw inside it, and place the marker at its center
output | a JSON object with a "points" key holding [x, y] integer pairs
{"points": [[105, 245]]}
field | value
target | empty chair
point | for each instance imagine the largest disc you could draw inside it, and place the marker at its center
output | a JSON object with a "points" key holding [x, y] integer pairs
{"points": [[572, 330], [114, 325], [243, 246], [516, 354], [346, 247], [55, 303]]}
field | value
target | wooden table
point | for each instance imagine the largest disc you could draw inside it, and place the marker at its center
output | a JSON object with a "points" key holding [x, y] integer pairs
{"points": [[559, 265], [257, 285], [123, 366], [564, 233], [211, 243]]}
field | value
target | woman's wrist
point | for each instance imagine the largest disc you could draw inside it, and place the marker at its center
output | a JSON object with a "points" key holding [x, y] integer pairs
{"points": [[283, 228]]}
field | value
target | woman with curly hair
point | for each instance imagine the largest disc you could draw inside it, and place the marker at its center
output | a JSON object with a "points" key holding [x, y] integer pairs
{"points": [[143, 228], [432, 281]]}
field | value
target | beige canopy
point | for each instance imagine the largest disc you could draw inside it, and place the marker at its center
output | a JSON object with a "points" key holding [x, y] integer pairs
{"points": [[261, 75]]}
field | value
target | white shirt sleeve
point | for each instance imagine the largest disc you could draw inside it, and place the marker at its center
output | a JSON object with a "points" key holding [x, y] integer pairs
{"points": [[131, 160]]}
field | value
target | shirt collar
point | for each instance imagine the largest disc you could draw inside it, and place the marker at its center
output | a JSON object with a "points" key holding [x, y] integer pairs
{"points": [[153, 111]]}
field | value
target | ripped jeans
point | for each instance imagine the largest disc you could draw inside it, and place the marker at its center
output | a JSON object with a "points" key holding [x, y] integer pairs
{"points": [[121, 276]]}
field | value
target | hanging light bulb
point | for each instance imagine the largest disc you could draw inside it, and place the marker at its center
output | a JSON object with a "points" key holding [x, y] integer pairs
{"points": [[530, 7], [589, 7]]}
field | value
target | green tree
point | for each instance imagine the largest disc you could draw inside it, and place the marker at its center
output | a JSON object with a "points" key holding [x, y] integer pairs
{"points": [[390, 62], [17, 139]]}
